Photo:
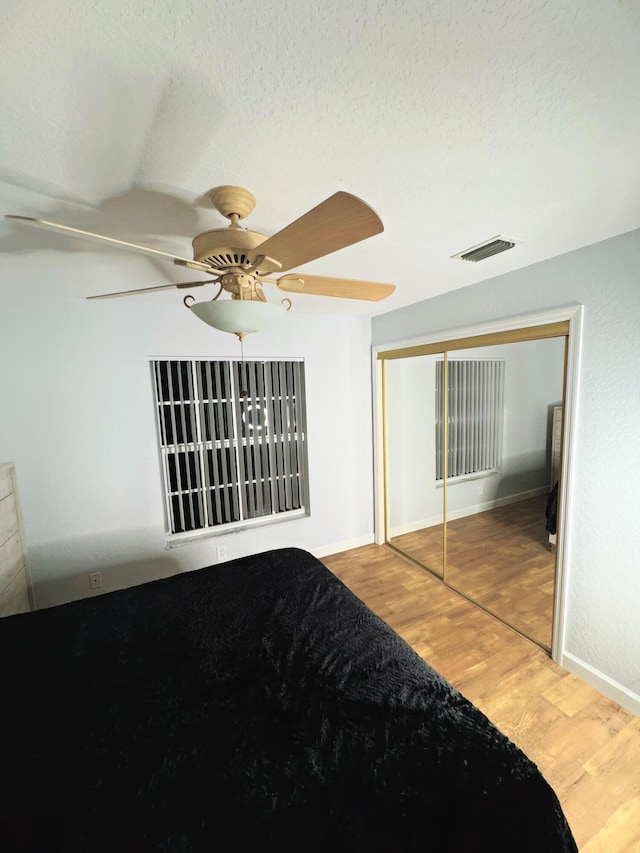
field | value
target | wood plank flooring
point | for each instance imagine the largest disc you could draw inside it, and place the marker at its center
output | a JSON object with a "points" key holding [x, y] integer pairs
{"points": [[586, 746], [499, 558]]}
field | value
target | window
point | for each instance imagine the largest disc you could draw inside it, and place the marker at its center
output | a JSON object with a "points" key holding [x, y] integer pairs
{"points": [[475, 416], [232, 439]]}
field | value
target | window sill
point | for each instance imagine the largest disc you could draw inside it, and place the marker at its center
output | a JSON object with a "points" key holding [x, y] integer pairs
{"points": [[467, 478], [177, 540]]}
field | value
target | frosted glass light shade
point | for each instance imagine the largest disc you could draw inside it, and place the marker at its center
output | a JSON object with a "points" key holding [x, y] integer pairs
{"points": [[238, 316]]}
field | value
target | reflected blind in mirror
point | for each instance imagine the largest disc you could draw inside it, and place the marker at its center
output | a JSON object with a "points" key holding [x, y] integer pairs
{"points": [[475, 414]]}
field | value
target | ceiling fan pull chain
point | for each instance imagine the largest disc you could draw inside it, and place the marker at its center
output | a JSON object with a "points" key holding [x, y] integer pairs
{"points": [[243, 378]]}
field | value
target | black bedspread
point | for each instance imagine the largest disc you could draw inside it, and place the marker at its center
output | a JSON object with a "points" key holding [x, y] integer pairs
{"points": [[257, 705]]}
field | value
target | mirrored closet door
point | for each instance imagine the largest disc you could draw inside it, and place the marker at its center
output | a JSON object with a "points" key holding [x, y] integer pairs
{"points": [[472, 441], [414, 510]]}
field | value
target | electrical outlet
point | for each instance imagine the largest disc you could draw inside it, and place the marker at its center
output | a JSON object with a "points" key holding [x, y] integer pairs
{"points": [[480, 488], [95, 580], [221, 553]]}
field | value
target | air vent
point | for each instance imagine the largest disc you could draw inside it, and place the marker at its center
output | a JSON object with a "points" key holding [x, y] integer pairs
{"points": [[484, 250]]}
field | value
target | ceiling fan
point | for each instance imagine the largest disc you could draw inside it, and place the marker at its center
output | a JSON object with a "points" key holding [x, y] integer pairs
{"points": [[241, 260]]}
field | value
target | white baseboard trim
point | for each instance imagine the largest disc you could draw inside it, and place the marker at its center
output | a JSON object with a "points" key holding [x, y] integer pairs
{"points": [[452, 515], [346, 545], [620, 694], [493, 504], [416, 524]]}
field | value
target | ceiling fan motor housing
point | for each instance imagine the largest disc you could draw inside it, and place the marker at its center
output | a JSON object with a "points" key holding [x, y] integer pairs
{"points": [[212, 247], [240, 285]]}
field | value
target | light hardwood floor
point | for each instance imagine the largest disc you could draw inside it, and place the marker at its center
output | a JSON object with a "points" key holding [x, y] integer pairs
{"points": [[499, 558], [586, 746]]}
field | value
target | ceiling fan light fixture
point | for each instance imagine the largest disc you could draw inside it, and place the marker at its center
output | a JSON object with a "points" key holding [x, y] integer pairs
{"points": [[238, 316]]}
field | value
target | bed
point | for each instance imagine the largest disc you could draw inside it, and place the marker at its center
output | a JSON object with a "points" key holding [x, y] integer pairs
{"points": [[255, 705]]}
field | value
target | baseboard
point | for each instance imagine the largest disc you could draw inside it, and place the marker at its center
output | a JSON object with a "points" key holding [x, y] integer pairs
{"points": [[452, 515], [495, 503], [346, 545], [417, 524], [620, 694]]}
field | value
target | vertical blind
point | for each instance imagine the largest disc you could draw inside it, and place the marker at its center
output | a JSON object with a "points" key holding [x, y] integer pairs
{"points": [[232, 440], [475, 416]]}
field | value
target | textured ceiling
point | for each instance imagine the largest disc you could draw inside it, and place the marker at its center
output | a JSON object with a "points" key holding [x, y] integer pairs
{"points": [[457, 120]]}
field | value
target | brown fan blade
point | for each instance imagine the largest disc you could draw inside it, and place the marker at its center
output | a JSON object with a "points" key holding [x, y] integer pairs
{"points": [[180, 286], [339, 221], [345, 288], [111, 241]]}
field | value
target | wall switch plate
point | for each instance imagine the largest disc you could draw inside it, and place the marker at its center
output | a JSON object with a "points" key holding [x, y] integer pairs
{"points": [[221, 553], [95, 580]]}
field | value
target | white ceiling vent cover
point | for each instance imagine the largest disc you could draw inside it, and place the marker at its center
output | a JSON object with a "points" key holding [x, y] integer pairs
{"points": [[488, 248]]}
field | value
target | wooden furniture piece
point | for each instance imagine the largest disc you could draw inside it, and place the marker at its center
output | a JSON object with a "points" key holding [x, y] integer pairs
{"points": [[556, 445], [556, 457], [15, 587]]}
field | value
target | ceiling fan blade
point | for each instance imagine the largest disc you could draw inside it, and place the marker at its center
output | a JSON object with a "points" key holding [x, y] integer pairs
{"points": [[345, 288], [339, 221], [111, 241], [181, 285]]}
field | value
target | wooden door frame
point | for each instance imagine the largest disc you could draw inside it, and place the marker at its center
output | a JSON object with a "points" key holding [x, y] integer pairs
{"points": [[574, 315]]}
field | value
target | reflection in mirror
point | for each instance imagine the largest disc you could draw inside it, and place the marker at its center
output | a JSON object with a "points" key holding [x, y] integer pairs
{"points": [[501, 473], [414, 516]]}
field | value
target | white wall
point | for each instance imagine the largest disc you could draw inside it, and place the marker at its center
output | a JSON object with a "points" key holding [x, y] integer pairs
{"points": [[603, 578], [534, 374], [78, 421], [414, 501]]}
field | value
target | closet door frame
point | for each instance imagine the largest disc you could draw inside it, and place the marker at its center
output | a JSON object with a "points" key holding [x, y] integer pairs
{"points": [[455, 338]]}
